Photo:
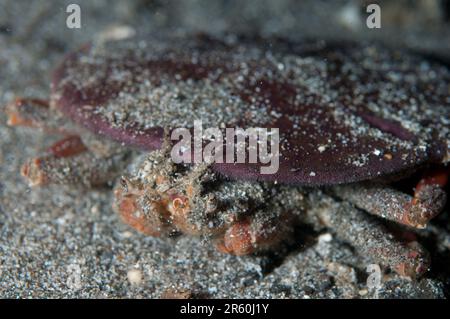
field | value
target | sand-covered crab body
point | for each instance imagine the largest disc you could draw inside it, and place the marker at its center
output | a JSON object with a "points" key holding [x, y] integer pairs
{"points": [[351, 117], [343, 110]]}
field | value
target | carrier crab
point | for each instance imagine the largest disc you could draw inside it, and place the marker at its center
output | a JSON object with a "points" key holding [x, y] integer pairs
{"points": [[353, 119]]}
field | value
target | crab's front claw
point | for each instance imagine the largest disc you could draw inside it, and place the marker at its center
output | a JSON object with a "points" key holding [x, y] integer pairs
{"points": [[237, 240], [155, 211], [255, 233], [145, 216]]}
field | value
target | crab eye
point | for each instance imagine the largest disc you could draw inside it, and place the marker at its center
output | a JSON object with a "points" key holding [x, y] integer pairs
{"points": [[124, 183]]}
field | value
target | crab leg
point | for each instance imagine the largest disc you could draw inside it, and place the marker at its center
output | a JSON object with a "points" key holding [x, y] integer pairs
{"points": [[36, 113], [369, 236], [429, 192], [379, 199], [68, 162], [29, 112], [67, 147], [140, 212], [255, 233], [154, 212]]}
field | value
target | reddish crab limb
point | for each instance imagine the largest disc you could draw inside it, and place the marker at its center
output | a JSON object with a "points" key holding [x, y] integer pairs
{"points": [[237, 240], [64, 162], [36, 113], [369, 236], [69, 146], [37, 170], [148, 218], [69, 162], [153, 210], [438, 177], [384, 201], [253, 234], [429, 192], [26, 112]]}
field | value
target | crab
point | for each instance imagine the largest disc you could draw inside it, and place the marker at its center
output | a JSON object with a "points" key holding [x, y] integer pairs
{"points": [[354, 120]]}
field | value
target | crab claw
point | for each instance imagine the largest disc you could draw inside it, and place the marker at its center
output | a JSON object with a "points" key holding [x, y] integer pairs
{"points": [[237, 240], [426, 204], [429, 198], [255, 233], [33, 172], [144, 215], [415, 263]]}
